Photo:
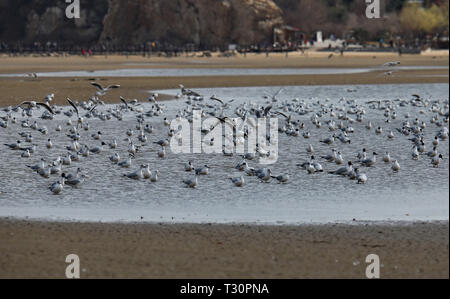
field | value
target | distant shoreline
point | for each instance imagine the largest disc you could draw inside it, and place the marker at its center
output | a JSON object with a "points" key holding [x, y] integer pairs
{"points": [[17, 89]]}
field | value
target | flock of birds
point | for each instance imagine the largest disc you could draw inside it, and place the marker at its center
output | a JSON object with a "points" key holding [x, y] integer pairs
{"points": [[338, 119]]}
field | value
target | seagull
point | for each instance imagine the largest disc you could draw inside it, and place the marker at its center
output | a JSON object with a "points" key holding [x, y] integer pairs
{"points": [[57, 187], [396, 166], [391, 63], [77, 181], [329, 141], [360, 177], [162, 142], [264, 174], [115, 158], [137, 175], [146, 173], [14, 146], [189, 166], [103, 90], [97, 150], [73, 176], [162, 152], [238, 182], [127, 163], [344, 171], [49, 144], [191, 183], [339, 160], [33, 104], [331, 157], [437, 160], [39, 166], [370, 161], [387, 158], [26, 154], [282, 178], [80, 119], [154, 178], [202, 171]]}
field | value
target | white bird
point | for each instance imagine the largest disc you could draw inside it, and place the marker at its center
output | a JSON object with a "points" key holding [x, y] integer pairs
{"points": [[127, 163], [188, 166], [310, 168], [67, 160], [436, 141], [415, 153], [103, 90], [154, 178], [339, 160], [264, 174], [396, 166], [39, 166], [331, 157], [360, 177], [387, 158], [191, 183], [57, 187], [115, 158], [137, 175], [146, 173], [113, 144], [162, 152], [437, 160], [379, 130], [202, 170], [33, 104], [344, 171], [238, 182], [97, 150], [370, 161], [26, 154], [282, 178]]}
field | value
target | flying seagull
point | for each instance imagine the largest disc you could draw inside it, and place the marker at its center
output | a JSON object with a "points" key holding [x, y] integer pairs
{"points": [[33, 104], [103, 90]]}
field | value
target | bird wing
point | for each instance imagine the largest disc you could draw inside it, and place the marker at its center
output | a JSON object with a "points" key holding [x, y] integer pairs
{"points": [[278, 92], [23, 103], [97, 85], [73, 105], [281, 113], [124, 101], [93, 108], [46, 106], [267, 109], [113, 86], [216, 99]]}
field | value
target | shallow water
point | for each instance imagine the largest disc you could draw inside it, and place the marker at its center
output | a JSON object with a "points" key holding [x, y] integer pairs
{"points": [[201, 72], [417, 192]]}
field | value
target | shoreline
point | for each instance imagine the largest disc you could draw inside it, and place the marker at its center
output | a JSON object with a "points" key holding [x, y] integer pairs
{"points": [[36, 249], [17, 89], [354, 222]]}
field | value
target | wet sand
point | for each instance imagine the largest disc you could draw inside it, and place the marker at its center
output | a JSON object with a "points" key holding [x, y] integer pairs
{"points": [[38, 250], [15, 90]]}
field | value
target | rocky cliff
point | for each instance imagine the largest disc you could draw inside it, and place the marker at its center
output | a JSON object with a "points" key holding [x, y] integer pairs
{"points": [[201, 22]]}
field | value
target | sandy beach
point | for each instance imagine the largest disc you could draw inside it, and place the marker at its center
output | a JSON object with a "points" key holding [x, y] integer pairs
{"points": [[15, 90], [33, 249]]}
